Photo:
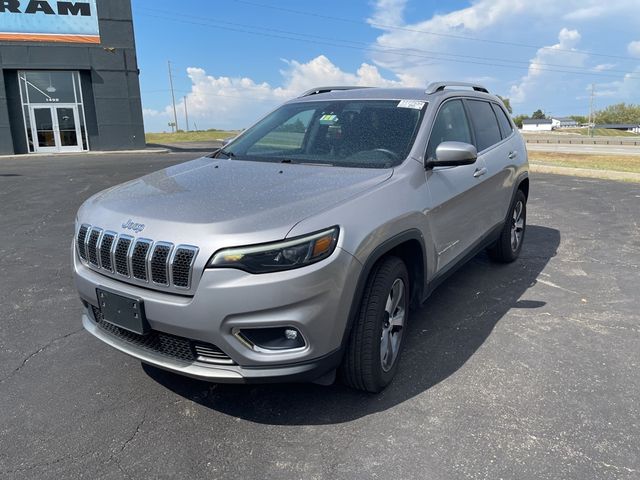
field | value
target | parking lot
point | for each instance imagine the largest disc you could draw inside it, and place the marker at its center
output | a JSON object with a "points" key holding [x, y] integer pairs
{"points": [[526, 371]]}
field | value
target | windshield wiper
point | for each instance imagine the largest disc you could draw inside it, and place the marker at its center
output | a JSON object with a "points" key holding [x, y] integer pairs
{"points": [[297, 162], [224, 152]]}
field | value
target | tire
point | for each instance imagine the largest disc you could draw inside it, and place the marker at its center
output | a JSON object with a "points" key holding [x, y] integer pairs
{"points": [[366, 366], [508, 246]]}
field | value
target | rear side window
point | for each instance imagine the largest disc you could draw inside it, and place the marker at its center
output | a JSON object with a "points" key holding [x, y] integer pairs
{"points": [[503, 120], [450, 125], [485, 124]]}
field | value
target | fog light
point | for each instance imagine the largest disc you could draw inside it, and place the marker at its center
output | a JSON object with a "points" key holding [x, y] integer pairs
{"points": [[276, 338], [291, 334]]}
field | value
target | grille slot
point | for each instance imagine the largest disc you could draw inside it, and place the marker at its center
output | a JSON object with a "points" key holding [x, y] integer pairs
{"points": [[82, 238], [181, 266], [139, 259], [105, 250], [177, 348], [211, 354], [92, 246], [159, 264], [121, 255]]}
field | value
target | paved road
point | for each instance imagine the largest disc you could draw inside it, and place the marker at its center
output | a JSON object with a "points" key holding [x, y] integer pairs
{"points": [[585, 149], [525, 371]]}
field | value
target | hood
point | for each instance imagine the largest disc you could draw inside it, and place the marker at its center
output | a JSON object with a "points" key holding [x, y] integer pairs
{"points": [[226, 197]]}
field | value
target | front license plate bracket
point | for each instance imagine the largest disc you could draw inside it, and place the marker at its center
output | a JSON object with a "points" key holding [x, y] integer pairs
{"points": [[124, 312]]}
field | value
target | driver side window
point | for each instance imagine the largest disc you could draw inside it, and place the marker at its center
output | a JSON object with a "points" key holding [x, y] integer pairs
{"points": [[450, 125], [288, 137]]}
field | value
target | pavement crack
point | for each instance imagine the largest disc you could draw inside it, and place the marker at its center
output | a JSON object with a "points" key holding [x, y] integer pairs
{"points": [[135, 433], [37, 352], [114, 457]]}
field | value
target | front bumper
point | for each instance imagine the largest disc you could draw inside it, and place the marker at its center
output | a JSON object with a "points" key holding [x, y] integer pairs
{"points": [[315, 299]]}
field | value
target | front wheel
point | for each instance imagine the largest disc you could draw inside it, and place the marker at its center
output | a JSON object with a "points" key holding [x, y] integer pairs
{"points": [[373, 350], [508, 246]]}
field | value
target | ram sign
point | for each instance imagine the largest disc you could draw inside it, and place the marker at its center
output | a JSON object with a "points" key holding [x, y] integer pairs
{"points": [[49, 21]]}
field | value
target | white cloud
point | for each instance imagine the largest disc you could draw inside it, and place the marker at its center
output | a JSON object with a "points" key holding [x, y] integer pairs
{"points": [[442, 46], [603, 67], [634, 48], [388, 12], [562, 53], [598, 10], [224, 102], [625, 89]]}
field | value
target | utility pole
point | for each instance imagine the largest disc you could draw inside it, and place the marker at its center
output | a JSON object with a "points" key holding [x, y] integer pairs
{"points": [[186, 112], [173, 98], [591, 119]]}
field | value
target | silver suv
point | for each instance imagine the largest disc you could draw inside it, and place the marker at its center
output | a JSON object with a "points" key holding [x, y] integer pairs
{"points": [[297, 251]]}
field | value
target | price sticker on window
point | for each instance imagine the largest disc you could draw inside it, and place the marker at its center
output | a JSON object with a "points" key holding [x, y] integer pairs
{"points": [[415, 104]]}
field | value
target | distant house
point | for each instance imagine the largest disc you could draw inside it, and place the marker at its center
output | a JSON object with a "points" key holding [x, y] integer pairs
{"points": [[537, 125], [564, 122], [625, 127]]}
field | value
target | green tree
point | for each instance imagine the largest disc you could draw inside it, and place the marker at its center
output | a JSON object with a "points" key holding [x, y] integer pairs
{"points": [[507, 103], [538, 114], [518, 120], [579, 118], [619, 113]]}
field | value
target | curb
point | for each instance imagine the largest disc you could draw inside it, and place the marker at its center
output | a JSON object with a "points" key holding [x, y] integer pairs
{"points": [[26, 156], [585, 172]]}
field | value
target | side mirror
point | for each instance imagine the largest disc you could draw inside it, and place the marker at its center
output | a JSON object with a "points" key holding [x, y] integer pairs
{"points": [[227, 141], [453, 154]]}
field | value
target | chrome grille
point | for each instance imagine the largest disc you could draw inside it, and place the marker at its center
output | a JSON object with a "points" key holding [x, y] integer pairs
{"points": [[140, 260], [178, 348], [182, 263], [92, 246], [81, 241], [160, 263], [121, 255], [105, 250]]}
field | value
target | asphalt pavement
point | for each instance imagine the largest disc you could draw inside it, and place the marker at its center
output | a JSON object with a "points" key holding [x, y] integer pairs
{"points": [[527, 371]]}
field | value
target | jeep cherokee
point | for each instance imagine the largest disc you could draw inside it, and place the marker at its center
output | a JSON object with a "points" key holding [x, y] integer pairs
{"points": [[298, 249]]}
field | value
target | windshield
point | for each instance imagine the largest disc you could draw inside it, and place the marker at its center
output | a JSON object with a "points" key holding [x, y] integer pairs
{"points": [[347, 133]]}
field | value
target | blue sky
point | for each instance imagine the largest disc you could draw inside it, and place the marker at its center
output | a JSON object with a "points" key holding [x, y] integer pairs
{"points": [[235, 60]]}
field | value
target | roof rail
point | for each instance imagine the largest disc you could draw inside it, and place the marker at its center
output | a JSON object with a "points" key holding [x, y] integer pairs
{"points": [[439, 86], [317, 90]]}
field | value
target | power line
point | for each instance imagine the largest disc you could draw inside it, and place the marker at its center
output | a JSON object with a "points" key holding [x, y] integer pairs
{"points": [[394, 51], [384, 49], [426, 32]]}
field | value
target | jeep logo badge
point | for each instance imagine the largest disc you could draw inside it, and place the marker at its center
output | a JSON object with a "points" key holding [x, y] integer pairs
{"points": [[131, 225]]}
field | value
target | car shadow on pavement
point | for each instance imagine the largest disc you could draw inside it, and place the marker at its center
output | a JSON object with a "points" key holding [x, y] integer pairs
{"points": [[443, 334]]}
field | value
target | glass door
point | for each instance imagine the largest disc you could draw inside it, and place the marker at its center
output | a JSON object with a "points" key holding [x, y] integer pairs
{"points": [[68, 131], [56, 129], [43, 127]]}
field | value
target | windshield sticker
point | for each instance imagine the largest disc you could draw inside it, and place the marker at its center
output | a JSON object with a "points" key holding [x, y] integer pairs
{"points": [[415, 104], [328, 119]]}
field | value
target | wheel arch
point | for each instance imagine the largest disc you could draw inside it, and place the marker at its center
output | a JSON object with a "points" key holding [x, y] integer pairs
{"points": [[523, 184], [410, 248]]}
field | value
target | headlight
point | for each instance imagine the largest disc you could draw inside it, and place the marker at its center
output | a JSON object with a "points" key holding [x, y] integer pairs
{"points": [[278, 256]]}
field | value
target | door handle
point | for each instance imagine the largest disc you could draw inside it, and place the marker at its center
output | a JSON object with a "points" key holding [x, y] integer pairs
{"points": [[513, 155], [479, 172]]}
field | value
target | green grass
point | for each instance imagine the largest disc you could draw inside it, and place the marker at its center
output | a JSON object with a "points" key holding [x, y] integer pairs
{"points": [[621, 163], [200, 136], [600, 132]]}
